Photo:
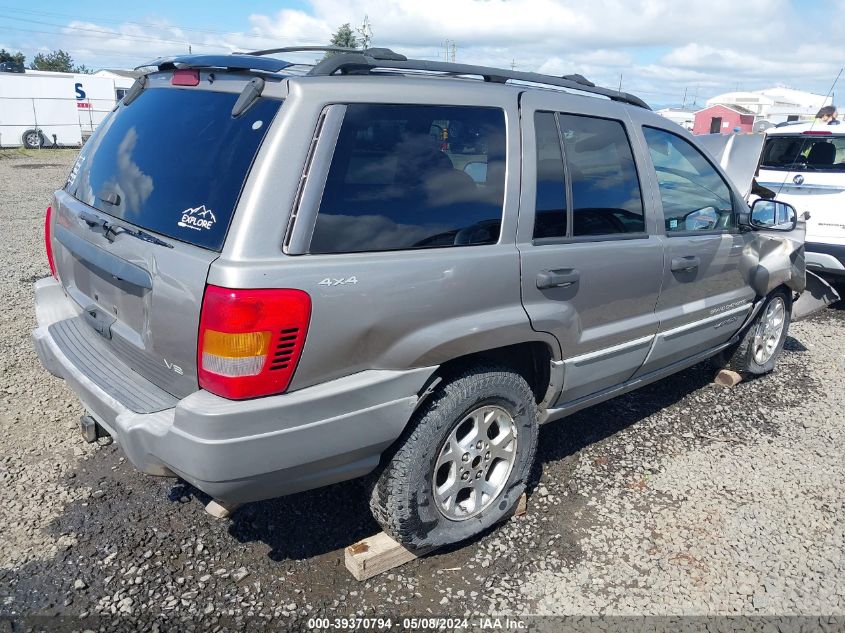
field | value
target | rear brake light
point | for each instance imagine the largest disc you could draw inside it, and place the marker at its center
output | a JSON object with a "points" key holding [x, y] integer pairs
{"points": [[185, 77], [250, 340], [48, 241], [817, 133]]}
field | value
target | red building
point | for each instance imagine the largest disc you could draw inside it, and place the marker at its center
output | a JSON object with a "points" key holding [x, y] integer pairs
{"points": [[721, 119]]}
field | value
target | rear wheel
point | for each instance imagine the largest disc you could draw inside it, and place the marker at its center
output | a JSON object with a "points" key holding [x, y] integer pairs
{"points": [[759, 349], [32, 139], [462, 464]]}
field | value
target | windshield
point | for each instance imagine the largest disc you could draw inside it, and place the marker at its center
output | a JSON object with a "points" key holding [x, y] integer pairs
{"points": [[172, 162], [805, 152]]}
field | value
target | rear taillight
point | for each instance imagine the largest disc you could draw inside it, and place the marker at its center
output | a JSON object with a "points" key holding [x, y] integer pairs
{"points": [[48, 241], [250, 340]]}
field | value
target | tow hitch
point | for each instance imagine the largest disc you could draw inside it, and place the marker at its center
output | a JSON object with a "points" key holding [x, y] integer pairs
{"points": [[91, 431]]}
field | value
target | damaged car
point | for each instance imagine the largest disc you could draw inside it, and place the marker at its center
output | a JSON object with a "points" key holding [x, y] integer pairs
{"points": [[391, 267]]}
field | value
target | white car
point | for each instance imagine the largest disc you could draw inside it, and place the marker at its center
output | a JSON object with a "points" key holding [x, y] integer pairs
{"points": [[804, 164]]}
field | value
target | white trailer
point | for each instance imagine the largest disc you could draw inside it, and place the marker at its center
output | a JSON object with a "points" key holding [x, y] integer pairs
{"points": [[40, 108], [38, 111]]}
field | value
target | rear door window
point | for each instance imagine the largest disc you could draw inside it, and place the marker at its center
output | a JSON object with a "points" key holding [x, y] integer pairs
{"points": [[550, 211], [606, 195], [413, 176], [173, 162]]}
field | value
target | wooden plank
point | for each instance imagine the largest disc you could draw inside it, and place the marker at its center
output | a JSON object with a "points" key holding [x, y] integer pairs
{"points": [[727, 378], [375, 555], [219, 511], [379, 553]]}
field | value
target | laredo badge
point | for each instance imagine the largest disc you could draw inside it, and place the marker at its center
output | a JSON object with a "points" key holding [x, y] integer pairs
{"points": [[198, 218]]}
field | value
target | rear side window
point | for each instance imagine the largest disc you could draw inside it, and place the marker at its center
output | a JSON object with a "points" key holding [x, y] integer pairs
{"points": [[173, 162], [694, 195], [804, 152], [413, 176], [606, 195]]}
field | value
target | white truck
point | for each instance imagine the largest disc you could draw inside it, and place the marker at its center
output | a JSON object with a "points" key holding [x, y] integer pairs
{"points": [[52, 109]]}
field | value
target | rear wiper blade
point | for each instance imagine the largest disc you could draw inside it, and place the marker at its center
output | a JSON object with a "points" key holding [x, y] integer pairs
{"points": [[114, 231], [111, 230], [92, 219]]}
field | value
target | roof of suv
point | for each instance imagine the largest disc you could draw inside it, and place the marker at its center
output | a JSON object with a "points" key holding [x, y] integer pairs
{"points": [[816, 127], [383, 61]]}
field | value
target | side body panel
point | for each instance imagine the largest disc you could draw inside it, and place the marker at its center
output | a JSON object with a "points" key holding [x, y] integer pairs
{"points": [[703, 306], [378, 310], [604, 321]]}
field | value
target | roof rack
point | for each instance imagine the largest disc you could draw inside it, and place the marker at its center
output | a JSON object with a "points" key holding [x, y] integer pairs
{"points": [[356, 61], [375, 53], [353, 61]]}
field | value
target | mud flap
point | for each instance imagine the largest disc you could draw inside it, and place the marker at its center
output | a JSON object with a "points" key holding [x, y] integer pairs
{"points": [[816, 296]]}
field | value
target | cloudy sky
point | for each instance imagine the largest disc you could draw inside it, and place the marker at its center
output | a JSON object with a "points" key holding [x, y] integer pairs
{"points": [[659, 48]]}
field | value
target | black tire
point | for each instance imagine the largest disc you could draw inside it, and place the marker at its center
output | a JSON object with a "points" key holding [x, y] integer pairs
{"points": [[741, 357], [401, 497], [32, 139]]}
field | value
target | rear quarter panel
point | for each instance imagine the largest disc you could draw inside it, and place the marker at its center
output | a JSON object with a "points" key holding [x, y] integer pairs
{"points": [[405, 308]]}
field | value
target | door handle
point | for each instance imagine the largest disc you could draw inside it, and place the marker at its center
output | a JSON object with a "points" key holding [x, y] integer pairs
{"points": [[685, 264], [557, 278]]}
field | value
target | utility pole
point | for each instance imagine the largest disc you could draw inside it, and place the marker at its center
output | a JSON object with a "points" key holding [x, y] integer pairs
{"points": [[684, 105], [513, 63], [620, 82], [189, 48], [450, 50], [365, 31]]}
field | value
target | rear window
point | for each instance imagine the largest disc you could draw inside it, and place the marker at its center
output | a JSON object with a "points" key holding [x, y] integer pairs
{"points": [[805, 152], [413, 176], [172, 162]]}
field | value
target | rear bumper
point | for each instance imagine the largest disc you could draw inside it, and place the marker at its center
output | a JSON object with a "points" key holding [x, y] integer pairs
{"points": [[240, 451], [827, 258]]}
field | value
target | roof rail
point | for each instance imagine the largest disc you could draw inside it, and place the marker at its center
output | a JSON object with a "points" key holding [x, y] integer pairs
{"points": [[356, 61], [375, 53]]}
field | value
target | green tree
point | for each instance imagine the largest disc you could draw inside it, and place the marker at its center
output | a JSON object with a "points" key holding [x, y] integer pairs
{"points": [[344, 36], [9, 56], [58, 61], [82, 69]]}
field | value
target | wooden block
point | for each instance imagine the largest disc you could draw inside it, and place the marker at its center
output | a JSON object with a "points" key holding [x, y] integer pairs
{"points": [[374, 555], [219, 511], [727, 378], [377, 554], [521, 505]]}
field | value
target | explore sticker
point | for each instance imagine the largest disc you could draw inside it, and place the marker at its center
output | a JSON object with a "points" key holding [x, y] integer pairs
{"points": [[198, 218]]}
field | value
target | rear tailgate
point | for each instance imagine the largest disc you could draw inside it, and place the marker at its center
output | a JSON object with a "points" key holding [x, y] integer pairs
{"points": [[144, 213]]}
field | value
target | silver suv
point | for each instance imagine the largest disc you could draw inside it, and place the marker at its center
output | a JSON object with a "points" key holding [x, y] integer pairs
{"points": [[268, 278]]}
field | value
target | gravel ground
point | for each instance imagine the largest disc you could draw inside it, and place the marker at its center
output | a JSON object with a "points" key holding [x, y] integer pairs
{"points": [[681, 498]]}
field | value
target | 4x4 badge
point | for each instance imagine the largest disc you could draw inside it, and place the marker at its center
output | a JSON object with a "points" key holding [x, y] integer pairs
{"points": [[331, 281]]}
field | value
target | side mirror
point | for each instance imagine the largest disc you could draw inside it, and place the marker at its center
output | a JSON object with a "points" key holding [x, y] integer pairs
{"points": [[773, 215]]}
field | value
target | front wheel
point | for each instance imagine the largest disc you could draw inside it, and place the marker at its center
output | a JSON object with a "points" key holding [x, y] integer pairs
{"points": [[462, 464], [759, 349]]}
